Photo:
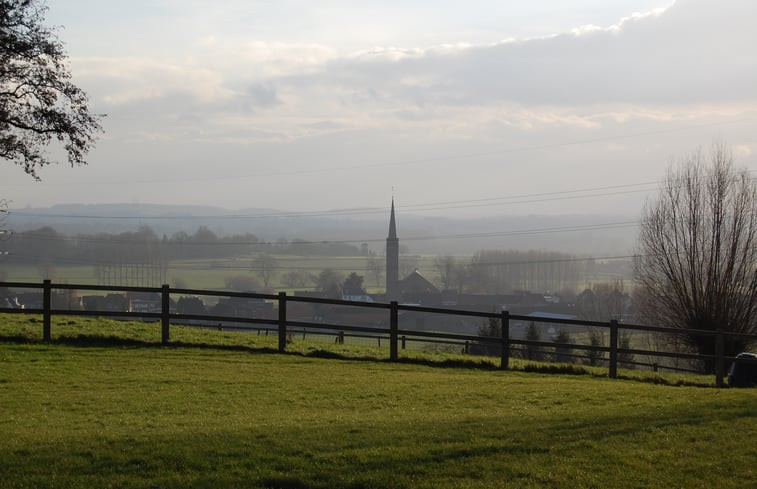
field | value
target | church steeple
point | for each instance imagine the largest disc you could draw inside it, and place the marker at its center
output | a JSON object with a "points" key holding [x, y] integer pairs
{"points": [[392, 259], [392, 225]]}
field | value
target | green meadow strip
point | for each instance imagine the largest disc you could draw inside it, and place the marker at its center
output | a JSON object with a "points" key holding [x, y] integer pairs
{"points": [[97, 413]]}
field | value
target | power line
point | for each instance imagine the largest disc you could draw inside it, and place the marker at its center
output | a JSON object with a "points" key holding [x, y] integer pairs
{"points": [[420, 161], [590, 192], [263, 244], [566, 259], [445, 205]]}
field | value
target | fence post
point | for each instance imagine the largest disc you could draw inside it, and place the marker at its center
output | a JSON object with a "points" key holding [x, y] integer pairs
{"points": [[165, 313], [719, 358], [613, 349], [505, 343], [47, 303], [393, 327], [282, 321]]}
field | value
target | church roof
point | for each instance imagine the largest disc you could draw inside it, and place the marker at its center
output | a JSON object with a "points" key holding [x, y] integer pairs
{"points": [[415, 283]]}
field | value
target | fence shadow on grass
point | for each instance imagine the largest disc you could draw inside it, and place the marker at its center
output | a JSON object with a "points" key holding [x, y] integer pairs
{"points": [[103, 341]]}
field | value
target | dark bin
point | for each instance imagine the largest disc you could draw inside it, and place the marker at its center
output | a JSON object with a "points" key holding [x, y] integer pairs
{"points": [[743, 371]]}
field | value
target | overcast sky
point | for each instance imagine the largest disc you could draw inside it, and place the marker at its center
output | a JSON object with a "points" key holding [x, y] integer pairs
{"points": [[479, 107]]}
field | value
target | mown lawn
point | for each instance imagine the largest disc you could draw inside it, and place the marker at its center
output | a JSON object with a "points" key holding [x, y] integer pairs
{"points": [[91, 413]]}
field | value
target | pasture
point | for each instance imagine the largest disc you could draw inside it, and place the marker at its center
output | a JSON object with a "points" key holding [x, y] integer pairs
{"points": [[114, 409], [206, 273]]}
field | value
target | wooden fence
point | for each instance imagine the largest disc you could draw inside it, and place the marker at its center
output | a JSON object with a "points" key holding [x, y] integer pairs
{"points": [[395, 336]]}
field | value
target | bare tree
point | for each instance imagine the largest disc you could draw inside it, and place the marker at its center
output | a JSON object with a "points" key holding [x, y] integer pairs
{"points": [[697, 251], [374, 267], [296, 278], [4, 232], [445, 267], [266, 265], [408, 264], [603, 301]]}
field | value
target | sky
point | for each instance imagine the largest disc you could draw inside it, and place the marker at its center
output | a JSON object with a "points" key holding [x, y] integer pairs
{"points": [[468, 108]]}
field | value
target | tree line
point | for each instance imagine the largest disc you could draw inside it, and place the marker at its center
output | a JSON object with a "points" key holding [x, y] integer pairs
{"points": [[505, 271], [144, 246]]}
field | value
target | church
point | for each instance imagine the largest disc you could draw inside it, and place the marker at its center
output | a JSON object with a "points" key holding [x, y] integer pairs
{"points": [[411, 289]]}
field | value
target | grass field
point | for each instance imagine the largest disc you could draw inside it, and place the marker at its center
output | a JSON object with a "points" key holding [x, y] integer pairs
{"points": [[212, 273], [219, 411]]}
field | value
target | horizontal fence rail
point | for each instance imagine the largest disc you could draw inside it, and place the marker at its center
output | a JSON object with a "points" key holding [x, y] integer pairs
{"points": [[390, 333]]}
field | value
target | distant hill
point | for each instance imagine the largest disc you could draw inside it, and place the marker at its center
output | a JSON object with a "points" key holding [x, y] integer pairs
{"points": [[586, 235]]}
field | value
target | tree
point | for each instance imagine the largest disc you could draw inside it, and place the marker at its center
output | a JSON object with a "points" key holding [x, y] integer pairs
{"points": [[597, 339], [697, 252], [563, 350], [242, 282], [329, 283], [374, 267], [296, 278], [38, 101], [489, 328], [191, 305], [446, 268], [353, 285], [603, 301], [266, 266], [408, 264], [533, 352], [4, 232]]}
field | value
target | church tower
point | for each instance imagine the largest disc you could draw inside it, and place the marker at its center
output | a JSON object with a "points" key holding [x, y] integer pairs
{"points": [[392, 260]]}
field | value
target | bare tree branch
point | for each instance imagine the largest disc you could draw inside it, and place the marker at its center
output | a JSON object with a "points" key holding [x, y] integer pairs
{"points": [[697, 251], [38, 102]]}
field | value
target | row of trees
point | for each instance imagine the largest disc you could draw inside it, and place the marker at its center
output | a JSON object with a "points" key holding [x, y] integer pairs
{"points": [[47, 244], [503, 271], [329, 282]]}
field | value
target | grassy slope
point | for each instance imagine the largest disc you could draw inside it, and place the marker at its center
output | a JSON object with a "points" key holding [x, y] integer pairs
{"points": [[188, 416]]}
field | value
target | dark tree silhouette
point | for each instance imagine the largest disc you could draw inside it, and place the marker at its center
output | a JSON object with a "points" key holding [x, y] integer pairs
{"points": [[329, 283], [353, 285], [38, 101], [697, 252], [533, 352], [563, 350]]}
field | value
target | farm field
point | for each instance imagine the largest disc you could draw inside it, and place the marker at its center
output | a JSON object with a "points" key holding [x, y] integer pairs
{"points": [[212, 273], [96, 412]]}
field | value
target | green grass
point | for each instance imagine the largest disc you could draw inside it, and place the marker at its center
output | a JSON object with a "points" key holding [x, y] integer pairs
{"points": [[114, 409], [211, 273], [100, 331]]}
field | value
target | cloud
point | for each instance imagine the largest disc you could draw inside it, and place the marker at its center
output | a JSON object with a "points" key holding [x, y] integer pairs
{"points": [[123, 81], [687, 61], [685, 54]]}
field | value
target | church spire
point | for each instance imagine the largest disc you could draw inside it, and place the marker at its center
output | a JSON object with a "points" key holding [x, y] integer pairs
{"points": [[392, 260], [392, 225]]}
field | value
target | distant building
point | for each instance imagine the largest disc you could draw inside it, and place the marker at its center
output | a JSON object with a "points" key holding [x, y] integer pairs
{"points": [[144, 302], [392, 260]]}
